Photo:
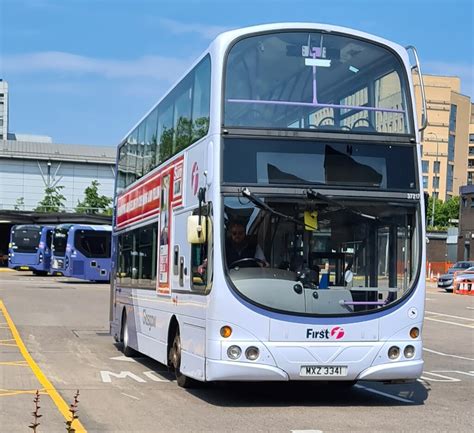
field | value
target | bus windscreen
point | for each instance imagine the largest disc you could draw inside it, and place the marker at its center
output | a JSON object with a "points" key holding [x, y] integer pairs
{"points": [[25, 239], [314, 80]]}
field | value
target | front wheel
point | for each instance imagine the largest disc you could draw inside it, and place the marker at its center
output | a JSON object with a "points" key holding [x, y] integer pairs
{"points": [[175, 360]]}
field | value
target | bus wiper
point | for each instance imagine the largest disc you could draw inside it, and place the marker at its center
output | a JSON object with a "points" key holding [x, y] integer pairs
{"points": [[262, 205], [310, 193]]}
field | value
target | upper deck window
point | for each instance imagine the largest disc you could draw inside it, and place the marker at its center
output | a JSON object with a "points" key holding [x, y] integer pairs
{"points": [[312, 80]]}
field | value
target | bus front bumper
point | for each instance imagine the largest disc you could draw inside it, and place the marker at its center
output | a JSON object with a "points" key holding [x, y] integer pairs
{"points": [[242, 371], [239, 371], [405, 370]]}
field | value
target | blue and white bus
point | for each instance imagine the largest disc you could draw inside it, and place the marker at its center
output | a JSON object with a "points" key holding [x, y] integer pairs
{"points": [[82, 251], [269, 216], [30, 248]]}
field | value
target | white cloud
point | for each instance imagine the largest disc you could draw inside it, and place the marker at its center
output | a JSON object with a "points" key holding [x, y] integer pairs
{"points": [[462, 70], [205, 31], [155, 67]]}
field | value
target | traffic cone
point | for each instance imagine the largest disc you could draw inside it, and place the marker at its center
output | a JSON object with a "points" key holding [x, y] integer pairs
{"points": [[470, 289]]}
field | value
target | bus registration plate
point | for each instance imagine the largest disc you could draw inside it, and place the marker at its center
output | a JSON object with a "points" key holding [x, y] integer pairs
{"points": [[24, 268], [323, 370]]}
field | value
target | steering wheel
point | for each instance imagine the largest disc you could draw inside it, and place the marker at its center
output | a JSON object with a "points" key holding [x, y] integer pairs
{"points": [[363, 119], [327, 118], [251, 262]]}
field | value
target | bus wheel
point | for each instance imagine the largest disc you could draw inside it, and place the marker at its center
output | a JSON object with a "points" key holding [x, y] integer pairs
{"points": [[175, 360], [40, 273], [125, 338]]}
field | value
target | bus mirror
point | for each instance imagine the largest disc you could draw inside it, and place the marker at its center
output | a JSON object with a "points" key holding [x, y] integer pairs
{"points": [[197, 232]]}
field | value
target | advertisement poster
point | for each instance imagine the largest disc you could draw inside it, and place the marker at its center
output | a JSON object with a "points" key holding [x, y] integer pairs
{"points": [[165, 231]]}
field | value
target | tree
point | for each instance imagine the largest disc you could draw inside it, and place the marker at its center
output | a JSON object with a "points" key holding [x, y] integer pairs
{"points": [[20, 203], [53, 200], [94, 203], [444, 212]]}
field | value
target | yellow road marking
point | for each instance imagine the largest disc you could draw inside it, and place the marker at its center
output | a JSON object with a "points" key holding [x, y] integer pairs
{"points": [[7, 392], [47, 385], [16, 363]]}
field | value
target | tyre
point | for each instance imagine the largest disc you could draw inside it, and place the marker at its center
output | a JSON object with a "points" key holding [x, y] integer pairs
{"points": [[125, 338], [175, 361], [40, 273]]}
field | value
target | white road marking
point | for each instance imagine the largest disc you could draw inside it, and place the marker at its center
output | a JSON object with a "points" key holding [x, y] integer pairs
{"points": [[429, 299], [131, 396], [404, 400], [447, 354], [306, 431], [153, 376], [106, 376], [125, 358], [442, 376], [447, 315], [470, 308], [467, 373], [450, 323]]}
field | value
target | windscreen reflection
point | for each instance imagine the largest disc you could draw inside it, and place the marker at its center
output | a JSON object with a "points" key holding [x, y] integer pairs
{"points": [[318, 256]]}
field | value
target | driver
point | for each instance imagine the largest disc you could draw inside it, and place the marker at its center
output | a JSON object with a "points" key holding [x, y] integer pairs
{"points": [[239, 247]]}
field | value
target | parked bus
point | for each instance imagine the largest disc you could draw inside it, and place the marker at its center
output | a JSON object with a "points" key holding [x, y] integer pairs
{"points": [[268, 213], [30, 248], [82, 251]]}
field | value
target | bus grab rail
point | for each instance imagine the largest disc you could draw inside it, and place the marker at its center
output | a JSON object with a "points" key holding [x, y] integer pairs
{"points": [[424, 114]]}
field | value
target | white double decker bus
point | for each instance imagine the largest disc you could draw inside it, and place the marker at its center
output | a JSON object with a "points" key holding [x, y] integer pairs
{"points": [[269, 221]]}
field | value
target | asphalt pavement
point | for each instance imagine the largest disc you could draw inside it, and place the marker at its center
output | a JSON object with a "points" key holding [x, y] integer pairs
{"points": [[54, 338]]}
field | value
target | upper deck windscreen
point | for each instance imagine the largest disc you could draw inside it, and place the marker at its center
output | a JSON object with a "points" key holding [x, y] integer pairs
{"points": [[314, 80]]}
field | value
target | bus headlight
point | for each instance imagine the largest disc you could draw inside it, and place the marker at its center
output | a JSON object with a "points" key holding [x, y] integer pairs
{"points": [[409, 352], [234, 352], [394, 352], [252, 353]]}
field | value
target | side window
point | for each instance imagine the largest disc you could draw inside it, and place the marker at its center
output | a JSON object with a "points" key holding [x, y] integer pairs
{"points": [[125, 257], [149, 156], [122, 168], [49, 238], [140, 149], [131, 149], [201, 99], [146, 255], [93, 244], [201, 256], [165, 132], [182, 115]]}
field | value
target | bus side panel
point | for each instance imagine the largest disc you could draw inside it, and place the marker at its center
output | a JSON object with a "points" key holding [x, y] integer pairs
{"points": [[97, 269]]}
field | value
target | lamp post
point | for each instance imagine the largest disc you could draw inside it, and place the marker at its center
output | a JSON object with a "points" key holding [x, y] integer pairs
{"points": [[434, 188]]}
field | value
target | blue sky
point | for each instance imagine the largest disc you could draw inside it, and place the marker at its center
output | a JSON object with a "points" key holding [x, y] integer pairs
{"points": [[84, 71]]}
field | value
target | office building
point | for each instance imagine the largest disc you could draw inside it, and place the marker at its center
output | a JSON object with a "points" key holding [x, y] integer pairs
{"points": [[470, 156], [446, 139], [3, 109]]}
